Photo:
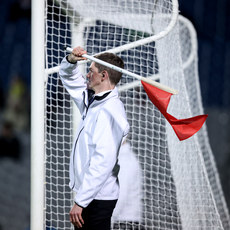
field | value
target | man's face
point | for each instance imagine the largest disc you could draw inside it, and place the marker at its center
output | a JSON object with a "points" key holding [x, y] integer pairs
{"points": [[94, 78]]}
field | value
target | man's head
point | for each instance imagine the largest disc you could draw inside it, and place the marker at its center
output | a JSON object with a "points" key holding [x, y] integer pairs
{"points": [[113, 59], [102, 78]]}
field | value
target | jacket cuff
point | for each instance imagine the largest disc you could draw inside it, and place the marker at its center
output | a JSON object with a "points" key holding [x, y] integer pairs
{"points": [[78, 204], [69, 61]]}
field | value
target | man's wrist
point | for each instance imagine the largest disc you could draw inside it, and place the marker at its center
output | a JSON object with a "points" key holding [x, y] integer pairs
{"points": [[78, 204], [70, 60]]}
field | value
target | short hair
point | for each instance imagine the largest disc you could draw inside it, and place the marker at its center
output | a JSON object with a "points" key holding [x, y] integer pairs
{"points": [[113, 59]]}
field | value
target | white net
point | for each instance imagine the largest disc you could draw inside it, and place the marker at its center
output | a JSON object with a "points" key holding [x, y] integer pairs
{"points": [[189, 57], [174, 184]]}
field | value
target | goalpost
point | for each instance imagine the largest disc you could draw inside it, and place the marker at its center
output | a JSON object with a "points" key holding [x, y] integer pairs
{"points": [[180, 186]]}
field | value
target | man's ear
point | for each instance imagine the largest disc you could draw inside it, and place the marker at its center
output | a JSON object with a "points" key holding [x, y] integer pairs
{"points": [[105, 74]]}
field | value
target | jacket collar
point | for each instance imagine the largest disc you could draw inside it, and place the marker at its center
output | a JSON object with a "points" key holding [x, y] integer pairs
{"points": [[99, 98], [102, 96]]}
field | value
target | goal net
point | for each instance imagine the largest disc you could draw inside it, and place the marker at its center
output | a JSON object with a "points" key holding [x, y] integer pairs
{"points": [[165, 183]]}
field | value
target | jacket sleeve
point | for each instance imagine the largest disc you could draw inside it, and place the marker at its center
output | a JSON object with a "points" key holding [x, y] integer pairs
{"points": [[107, 138], [73, 81]]}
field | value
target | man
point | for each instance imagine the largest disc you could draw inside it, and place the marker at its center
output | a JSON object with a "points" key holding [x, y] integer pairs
{"points": [[103, 127]]}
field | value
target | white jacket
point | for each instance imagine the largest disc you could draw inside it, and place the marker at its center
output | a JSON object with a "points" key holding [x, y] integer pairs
{"points": [[93, 163]]}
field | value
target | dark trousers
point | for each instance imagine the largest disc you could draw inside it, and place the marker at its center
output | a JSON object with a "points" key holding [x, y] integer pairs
{"points": [[97, 215]]}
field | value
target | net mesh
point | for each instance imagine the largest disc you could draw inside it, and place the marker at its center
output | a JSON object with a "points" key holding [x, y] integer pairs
{"points": [[177, 186]]}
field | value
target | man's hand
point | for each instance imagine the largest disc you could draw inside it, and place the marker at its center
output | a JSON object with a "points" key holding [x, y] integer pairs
{"points": [[75, 216], [76, 55]]}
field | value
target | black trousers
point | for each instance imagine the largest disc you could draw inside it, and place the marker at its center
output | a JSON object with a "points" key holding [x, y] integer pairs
{"points": [[97, 215]]}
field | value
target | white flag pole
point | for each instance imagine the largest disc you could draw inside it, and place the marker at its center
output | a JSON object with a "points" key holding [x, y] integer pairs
{"points": [[126, 72]]}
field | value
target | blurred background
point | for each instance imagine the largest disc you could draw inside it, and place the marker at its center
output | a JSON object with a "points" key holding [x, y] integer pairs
{"points": [[211, 19]]}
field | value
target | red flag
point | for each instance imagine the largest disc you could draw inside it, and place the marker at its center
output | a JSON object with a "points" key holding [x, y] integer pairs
{"points": [[184, 128]]}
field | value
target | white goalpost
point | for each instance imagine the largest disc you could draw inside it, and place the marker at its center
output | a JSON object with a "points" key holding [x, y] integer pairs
{"points": [[177, 183], [37, 116]]}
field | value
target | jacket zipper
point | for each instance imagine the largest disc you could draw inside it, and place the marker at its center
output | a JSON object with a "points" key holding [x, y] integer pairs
{"points": [[74, 155]]}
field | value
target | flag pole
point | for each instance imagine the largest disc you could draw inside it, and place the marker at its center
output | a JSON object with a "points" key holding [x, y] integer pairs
{"points": [[126, 72]]}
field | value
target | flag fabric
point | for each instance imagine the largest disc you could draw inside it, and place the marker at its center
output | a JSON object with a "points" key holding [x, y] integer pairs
{"points": [[184, 128]]}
